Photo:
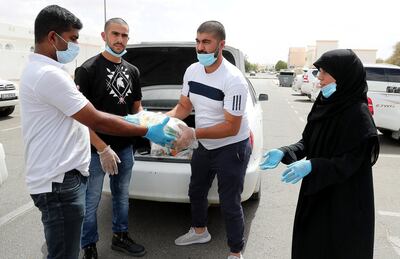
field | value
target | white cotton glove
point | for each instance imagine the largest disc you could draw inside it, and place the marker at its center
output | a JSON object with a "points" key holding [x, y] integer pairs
{"points": [[109, 160], [186, 139]]}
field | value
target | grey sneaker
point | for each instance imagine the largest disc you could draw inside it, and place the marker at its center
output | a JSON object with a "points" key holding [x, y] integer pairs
{"points": [[235, 257], [192, 238]]}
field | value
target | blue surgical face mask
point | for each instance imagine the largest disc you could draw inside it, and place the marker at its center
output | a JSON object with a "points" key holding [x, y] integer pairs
{"points": [[66, 56], [328, 90], [208, 59], [115, 54]]}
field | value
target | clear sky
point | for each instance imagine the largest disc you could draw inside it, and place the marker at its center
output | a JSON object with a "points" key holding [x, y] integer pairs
{"points": [[263, 29]]}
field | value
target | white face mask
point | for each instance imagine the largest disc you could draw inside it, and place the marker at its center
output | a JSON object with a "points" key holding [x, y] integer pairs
{"points": [[66, 56], [113, 53]]}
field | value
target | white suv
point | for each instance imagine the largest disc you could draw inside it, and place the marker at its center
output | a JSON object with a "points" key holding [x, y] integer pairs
{"points": [[8, 97], [384, 92]]}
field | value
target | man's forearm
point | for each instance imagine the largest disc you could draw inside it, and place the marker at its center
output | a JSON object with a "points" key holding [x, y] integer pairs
{"points": [[114, 125], [96, 141], [107, 123], [221, 130]]}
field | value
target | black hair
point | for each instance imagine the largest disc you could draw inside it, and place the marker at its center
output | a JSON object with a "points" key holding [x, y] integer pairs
{"points": [[54, 18], [213, 27], [114, 20]]}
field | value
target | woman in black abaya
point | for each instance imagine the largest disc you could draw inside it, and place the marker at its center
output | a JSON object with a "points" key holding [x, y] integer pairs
{"points": [[335, 210]]}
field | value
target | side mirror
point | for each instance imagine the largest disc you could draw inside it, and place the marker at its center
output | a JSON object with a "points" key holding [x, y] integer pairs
{"points": [[263, 97]]}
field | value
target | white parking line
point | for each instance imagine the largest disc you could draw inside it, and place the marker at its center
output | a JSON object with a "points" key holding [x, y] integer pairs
{"points": [[389, 155], [16, 213], [389, 213], [395, 242], [10, 128]]}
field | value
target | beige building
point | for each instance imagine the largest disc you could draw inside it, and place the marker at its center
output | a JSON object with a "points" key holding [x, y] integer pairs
{"points": [[312, 53], [310, 56], [322, 46], [297, 57], [367, 56]]}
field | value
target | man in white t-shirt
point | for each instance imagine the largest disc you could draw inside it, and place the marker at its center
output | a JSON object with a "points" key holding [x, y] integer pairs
{"points": [[217, 91], [54, 116]]}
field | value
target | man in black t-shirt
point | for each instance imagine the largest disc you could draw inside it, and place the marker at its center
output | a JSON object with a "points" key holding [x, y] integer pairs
{"points": [[112, 85]]}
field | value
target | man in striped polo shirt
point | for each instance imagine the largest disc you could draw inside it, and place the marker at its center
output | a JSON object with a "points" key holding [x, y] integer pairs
{"points": [[217, 90]]}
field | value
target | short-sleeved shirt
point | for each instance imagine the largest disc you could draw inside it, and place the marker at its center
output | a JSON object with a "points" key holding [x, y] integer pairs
{"points": [[211, 94], [54, 143], [112, 88]]}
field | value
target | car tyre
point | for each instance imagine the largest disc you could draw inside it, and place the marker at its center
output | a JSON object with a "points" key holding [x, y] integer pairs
{"points": [[7, 111]]}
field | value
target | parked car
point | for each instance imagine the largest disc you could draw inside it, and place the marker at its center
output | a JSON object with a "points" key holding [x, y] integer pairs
{"points": [[252, 73], [8, 97], [315, 89], [166, 178], [298, 80], [384, 92], [309, 79]]}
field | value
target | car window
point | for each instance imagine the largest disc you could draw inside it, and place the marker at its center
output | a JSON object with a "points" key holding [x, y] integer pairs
{"points": [[314, 73], [375, 74], [164, 65], [393, 75], [228, 56]]}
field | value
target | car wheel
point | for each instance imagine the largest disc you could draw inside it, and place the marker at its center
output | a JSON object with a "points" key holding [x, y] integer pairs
{"points": [[7, 111], [257, 195]]}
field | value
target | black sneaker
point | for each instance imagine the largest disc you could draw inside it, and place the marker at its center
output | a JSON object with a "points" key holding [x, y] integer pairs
{"points": [[123, 243], [90, 252]]}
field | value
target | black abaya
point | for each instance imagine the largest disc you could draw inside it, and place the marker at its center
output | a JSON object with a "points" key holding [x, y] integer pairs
{"points": [[335, 210]]}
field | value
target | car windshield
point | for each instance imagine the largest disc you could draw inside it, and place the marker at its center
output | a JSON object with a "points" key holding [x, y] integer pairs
{"points": [[164, 65]]}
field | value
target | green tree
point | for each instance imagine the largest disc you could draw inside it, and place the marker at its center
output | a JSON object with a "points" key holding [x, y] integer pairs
{"points": [[249, 66], [280, 65], [395, 58]]}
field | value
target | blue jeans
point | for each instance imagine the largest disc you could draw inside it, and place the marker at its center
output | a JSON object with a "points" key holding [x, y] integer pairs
{"points": [[62, 215], [119, 185]]}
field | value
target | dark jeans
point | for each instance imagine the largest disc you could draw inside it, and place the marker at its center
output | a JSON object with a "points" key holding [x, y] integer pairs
{"points": [[229, 163], [62, 215]]}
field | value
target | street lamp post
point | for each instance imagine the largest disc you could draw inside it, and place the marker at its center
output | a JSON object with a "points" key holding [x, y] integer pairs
{"points": [[105, 11]]}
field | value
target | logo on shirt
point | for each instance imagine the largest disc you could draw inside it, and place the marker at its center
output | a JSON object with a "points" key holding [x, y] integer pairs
{"points": [[236, 103], [119, 85]]}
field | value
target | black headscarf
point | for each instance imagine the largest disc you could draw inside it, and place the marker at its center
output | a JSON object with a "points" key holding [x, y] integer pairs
{"points": [[349, 73], [340, 123]]}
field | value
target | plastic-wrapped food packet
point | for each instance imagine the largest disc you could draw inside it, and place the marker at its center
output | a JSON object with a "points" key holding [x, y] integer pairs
{"points": [[148, 118]]}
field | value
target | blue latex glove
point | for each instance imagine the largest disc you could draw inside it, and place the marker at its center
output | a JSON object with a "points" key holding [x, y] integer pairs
{"points": [[132, 118], [296, 171], [272, 159], [156, 134]]}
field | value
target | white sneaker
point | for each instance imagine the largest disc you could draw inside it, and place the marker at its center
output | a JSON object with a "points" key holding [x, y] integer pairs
{"points": [[235, 257], [192, 238]]}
